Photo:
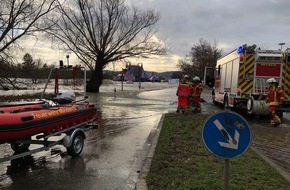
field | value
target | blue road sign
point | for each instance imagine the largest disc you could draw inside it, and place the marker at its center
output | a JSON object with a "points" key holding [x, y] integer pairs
{"points": [[226, 134]]}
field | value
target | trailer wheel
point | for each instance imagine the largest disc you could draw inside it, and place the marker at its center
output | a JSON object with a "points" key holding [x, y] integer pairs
{"points": [[19, 146], [77, 145]]}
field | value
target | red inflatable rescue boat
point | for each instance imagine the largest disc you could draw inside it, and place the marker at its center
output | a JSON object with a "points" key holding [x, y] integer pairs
{"points": [[26, 123], [21, 121]]}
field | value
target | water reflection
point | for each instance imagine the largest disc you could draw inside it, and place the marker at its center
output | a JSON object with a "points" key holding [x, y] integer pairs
{"points": [[21, 168], [75, 166], [23, 164], [112, 153]]}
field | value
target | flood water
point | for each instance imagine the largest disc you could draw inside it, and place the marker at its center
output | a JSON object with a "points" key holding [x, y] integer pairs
{"points": [[111, 159], [113, 155]]}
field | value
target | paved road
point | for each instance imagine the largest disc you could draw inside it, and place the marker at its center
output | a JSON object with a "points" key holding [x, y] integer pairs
{"points": [[113, 155]]}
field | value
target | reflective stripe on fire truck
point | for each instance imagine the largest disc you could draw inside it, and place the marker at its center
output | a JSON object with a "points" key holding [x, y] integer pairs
{"points": [[247, 68], [286, 80]]}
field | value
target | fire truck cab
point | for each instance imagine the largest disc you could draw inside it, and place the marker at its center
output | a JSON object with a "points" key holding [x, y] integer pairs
{"points": [[240, 82]]}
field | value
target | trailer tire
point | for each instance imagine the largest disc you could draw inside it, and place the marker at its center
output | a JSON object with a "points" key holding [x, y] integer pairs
{"points": [[77, 145], [20, 147]]}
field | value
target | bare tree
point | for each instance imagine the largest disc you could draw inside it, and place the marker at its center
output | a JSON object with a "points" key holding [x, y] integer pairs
{"points": [[30, 68], [6, 80], [202, 54], [19, 18], [104, 31]]}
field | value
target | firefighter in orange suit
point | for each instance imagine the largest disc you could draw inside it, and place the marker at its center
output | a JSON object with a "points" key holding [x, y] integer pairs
{"points": [[195, 92], [182, 92], [275, 97]]}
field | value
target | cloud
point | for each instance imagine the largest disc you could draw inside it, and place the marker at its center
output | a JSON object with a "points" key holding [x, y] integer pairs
{"points": [[42, 48], [231, 24]]}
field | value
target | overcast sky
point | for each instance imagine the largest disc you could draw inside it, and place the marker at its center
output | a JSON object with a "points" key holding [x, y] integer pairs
{"points": [[265, 23], [230, 23]]}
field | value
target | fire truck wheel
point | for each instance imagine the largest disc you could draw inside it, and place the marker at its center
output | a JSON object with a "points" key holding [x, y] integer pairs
{"points": [[250, 103], [226, 102], [77, 145], [213, 96], [20, 146], [280, 114]]}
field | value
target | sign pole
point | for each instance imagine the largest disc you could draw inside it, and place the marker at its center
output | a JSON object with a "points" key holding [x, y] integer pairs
{"points": [[226, 134], [226, 174]]}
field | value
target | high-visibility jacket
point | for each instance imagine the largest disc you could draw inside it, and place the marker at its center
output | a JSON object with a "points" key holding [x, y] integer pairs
{"points": [[196, 90], [275, 95], [183, 90]]}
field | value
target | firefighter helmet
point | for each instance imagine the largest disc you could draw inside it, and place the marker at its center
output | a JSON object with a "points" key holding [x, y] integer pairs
{"points": [[271, 80], [185, 76], [196, 79]]}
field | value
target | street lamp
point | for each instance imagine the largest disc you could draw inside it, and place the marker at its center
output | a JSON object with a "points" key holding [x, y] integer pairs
{"points": [[67, 57], [281, 44], [124, 71], [139, 72]]}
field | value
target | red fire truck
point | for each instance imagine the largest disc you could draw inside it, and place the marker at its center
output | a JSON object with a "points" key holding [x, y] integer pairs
{"points": [[240, 82]]}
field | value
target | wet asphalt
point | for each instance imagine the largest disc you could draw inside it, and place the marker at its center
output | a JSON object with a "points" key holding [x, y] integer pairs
{"points": [[114, 154]]}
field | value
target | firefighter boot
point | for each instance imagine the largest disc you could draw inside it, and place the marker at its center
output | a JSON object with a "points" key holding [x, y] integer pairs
{"points": [[277, 121], [183, 110], [198, 109]]}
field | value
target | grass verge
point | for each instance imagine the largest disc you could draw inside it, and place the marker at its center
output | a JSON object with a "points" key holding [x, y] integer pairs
{"points": [[182, 162]]}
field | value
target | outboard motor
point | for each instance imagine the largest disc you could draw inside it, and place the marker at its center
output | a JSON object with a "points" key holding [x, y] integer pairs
{"points": [[65, 97]]}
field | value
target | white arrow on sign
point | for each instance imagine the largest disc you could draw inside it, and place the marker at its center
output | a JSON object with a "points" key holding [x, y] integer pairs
{"points": [[232, 143]]}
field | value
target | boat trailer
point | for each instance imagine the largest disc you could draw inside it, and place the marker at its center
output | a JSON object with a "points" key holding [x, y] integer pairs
{"points": [[73, 141]]}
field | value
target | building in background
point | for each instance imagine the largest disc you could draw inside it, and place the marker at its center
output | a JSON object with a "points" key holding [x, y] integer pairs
{"points": [[133, 73]]}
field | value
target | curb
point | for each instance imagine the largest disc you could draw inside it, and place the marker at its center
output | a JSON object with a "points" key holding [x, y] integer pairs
{"points": [[154, 135], [152, 141], [272, 164]]}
